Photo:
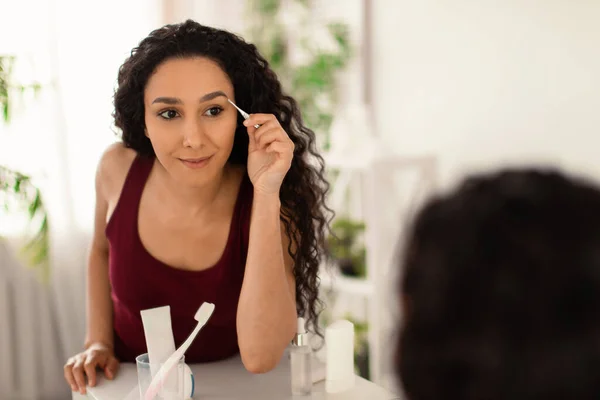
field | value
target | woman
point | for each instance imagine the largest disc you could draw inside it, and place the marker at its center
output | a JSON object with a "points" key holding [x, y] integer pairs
{"points": [[197, 205]]}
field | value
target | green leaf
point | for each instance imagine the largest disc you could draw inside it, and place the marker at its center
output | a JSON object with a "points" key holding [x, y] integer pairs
{"points": [[269, 7], [18, 188], [35, 205], [279, 52], [340, 33]]}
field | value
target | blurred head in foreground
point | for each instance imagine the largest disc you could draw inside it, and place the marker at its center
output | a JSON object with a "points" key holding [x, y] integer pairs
{"points": [[501, 291]]}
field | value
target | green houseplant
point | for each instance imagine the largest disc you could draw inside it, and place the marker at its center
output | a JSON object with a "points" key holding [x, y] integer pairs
{"points": [[345, 249], [312, 82], [18, 193]]}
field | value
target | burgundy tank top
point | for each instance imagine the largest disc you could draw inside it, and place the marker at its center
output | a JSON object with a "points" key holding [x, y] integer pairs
{"points": [[139, 281]]}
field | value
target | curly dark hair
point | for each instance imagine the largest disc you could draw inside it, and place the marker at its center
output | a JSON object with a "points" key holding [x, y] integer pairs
{"points": [[501, 285], [257, 90]]}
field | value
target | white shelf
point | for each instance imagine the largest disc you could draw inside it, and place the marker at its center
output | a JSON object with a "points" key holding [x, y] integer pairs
{"points": [[358, 192], [345, 284]]}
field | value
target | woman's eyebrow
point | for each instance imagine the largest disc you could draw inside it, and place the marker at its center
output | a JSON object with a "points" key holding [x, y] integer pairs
{"points": [[175, 100], [167, 100], [212, 95]]}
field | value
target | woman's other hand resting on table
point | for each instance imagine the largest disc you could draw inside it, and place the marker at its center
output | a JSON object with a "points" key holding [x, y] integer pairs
{"points": [[98, 356]]}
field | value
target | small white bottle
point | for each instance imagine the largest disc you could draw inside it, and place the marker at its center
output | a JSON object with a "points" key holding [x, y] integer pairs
{"points": [[300, 359]]}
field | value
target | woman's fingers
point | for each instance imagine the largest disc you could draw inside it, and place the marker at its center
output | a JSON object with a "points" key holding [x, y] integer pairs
{"points": [[259, 119], [90, 368], [111, 368], [278, 147], [268, 137], [68, 372], [267, 126], [86, 364], [78, 374], [255, 133]]}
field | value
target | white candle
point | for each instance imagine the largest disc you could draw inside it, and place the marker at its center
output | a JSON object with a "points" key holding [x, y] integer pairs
{"points": [[339, 341]]}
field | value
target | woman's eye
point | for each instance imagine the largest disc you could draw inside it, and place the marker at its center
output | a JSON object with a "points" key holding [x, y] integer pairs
{"points": [[213, 111], [168, 114]]}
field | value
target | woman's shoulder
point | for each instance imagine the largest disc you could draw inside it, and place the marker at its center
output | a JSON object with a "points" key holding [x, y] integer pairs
{"points": [[113, 167]]}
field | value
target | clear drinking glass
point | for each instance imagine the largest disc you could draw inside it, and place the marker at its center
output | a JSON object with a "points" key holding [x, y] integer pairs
{"points": [[173, 388]]}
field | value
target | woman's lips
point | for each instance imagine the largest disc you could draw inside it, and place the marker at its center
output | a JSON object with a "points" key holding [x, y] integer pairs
{"points": [[195, 163]]}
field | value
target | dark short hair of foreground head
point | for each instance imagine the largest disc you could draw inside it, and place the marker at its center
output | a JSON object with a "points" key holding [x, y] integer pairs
{"points": [[501, 287]]}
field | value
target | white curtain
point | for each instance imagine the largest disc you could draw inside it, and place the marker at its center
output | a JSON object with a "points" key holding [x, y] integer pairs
{"points": [[74, 49], [30, 342]]}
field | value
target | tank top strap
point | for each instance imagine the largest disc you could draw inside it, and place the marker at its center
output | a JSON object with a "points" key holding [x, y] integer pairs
{"points": [[131, 193]]}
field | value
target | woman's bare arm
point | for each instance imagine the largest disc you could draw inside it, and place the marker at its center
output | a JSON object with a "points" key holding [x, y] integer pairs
{"points": [[110, 177], [99, 304], [266, 317]]}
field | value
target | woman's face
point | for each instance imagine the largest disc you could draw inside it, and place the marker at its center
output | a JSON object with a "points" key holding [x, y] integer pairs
{"points": [[188, 119]]}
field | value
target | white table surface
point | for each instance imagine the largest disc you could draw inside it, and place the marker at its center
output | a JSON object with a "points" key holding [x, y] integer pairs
{"points": [[228, 380]]}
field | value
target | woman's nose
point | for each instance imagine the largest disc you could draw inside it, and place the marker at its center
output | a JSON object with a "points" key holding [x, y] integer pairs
{"points": [[193, 135]]}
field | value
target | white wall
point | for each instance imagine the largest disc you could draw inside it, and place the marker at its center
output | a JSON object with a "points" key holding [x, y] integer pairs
{"points": [[234, 16], [484, 82]]}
